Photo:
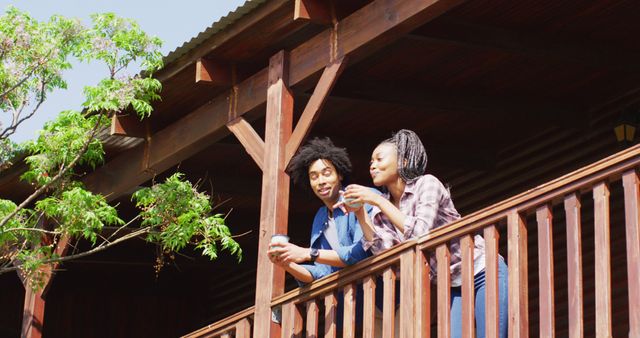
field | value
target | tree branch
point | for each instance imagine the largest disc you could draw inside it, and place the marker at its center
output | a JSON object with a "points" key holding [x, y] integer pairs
{"points": [[56, 178], [14, 125], [99, 248]]}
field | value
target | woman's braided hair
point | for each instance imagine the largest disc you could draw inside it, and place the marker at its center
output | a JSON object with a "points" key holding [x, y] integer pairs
{"points": [[412, 157], [317, 149]]}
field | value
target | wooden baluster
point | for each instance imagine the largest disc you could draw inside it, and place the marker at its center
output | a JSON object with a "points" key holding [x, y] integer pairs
{"points": [[330, 315], [603, 260], [518, 277], [389, 303], [632, 220], [468, 302], [369, 307], [574, 265], [492, 300], [349, 323], [407, 295], [291, 321], [243, 328], [312, 319], [444, 291], [545, 271], [423, 291]]}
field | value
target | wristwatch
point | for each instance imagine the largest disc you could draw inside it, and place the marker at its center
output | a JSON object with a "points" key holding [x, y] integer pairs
{"points": [[314, 253]]}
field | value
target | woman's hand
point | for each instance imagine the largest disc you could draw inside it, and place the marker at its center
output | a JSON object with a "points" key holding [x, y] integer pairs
{"points": [[358, 194], [285, 253]]}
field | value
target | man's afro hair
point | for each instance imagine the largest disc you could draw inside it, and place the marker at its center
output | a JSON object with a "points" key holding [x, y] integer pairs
{"points": [[315, 149]]}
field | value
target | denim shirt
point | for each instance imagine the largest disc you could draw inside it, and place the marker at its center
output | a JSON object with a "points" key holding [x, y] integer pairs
{"points": [[349, 236]]}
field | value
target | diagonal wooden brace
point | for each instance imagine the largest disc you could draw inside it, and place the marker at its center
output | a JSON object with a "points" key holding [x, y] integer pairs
{"points": [[314, 106]]}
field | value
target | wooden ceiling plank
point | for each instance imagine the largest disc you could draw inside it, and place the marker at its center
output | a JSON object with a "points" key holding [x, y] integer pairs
{"points": [[536, 46]]}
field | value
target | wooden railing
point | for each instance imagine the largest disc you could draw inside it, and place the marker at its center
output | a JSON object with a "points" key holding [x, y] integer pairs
{"points": [[304, 309]]}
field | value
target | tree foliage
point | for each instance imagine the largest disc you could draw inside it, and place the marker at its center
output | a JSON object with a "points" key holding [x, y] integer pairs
{"points": [[33, 56]]}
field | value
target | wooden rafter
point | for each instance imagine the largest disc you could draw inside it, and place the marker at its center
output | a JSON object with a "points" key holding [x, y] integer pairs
{"points": [[317, 11], [128, 125], [213, 73]]}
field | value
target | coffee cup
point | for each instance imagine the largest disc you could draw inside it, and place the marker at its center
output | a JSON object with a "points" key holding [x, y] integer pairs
{"points": [[348, 202], [279, 239]]}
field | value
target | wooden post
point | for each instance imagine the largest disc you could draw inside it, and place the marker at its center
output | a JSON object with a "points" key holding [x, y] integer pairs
{"points": [[33, 315], [407, 294], [330, 315], [443, 259], [389, 302], [369, 306], [492, 304], [603, 260], [631, 201], [275, 193], [518, 277], [545, 271], [468, 298], [312, 318], [574, 265], [423, 292]]}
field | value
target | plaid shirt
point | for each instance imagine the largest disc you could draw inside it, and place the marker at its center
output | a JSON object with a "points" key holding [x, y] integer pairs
{"points": [[427, 205]]}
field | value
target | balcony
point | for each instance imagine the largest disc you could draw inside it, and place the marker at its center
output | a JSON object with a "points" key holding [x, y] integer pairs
{"points": [[572, 247]]}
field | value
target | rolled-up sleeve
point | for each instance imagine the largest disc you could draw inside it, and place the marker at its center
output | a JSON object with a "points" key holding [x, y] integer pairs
{"points": [[317, 271], [385, 235], [429, 192]]}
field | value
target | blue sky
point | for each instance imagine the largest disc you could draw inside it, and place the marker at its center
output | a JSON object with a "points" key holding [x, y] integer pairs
{"points": [[173, 21]]}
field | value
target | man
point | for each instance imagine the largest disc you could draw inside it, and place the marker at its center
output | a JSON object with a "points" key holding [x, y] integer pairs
{"points": [[335, 236]]}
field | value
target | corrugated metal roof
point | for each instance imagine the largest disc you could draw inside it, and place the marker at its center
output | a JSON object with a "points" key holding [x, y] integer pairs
{"points": [[216, 27]]}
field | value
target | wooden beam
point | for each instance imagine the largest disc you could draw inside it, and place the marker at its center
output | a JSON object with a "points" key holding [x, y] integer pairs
{"points": [[358, 35], [314, 106], [33, 314], [316, 11], [250, 140], [213, 73], [127, 125], [536, 46], [274, 207]]}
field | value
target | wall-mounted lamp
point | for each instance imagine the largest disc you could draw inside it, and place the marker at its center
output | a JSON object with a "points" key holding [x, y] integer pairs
{"points": [[625, 128]]}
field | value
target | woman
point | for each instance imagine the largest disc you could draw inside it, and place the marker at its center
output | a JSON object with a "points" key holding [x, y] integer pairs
{"points": [[415, 204]]}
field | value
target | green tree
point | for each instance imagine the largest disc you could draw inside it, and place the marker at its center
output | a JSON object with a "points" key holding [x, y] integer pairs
{"points": [[33, 56]]}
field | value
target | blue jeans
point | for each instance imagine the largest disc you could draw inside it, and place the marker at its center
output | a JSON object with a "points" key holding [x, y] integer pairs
{"points": [[503, 292]]}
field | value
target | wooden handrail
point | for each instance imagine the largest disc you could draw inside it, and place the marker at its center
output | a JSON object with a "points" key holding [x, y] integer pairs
{"points": [[608, 169], [347, 275], [223, 325]]}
